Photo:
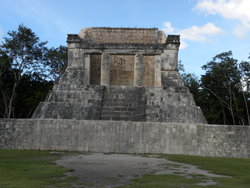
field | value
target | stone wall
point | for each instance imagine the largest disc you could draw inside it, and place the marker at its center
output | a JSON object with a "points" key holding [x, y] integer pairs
{"points": [[122, 35], [122, 70], [125, 137]]}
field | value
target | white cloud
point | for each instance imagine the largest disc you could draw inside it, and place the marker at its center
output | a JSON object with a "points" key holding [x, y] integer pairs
{"points": [[238, 10], [200, 33], [193, 33], [168, 27]]}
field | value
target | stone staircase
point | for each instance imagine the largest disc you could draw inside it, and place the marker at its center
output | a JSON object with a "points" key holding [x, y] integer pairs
{"points": [[124, 103], [120, 103]]}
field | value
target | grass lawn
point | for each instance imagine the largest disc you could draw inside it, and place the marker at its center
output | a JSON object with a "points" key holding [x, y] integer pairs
{"points": [[36, 169], [237, 169], [32, 169]]}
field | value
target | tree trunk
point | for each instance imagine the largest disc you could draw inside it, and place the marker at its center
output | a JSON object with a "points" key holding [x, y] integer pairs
{"points": [[11, 100], [246, 105]]}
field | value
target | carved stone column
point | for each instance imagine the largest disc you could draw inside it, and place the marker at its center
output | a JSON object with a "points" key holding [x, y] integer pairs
{"points": [[87, 68], [169, 62], [157, 79], [105, 69], [138, 70]]}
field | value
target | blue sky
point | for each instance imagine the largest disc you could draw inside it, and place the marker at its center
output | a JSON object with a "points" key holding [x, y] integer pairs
{"points": [[207, 27]]}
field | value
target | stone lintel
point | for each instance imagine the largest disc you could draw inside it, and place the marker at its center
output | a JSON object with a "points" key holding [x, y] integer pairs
{"points": [[126, 28], [173, 39], [86, 45], [173, 42], [123, 51], [73, 38]]}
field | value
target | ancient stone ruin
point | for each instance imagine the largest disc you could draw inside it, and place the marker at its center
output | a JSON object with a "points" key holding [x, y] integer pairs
{"points": [[129, 77], [121, 74]]}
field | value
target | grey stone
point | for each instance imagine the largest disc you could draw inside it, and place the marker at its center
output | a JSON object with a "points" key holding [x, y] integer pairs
{"points": [[167, 101], [125, 137]]}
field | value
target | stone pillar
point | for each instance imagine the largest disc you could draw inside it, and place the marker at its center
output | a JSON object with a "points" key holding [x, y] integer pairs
{"points": [[75, 58], [105, 69], [138, 70], [169, 62], [87, 68], [157, 79]]}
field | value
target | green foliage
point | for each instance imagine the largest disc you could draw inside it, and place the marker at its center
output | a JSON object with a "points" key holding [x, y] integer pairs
{"points": [[25, 50], [222, 91], [222, 84], [31, 90], [57, 61], [27, 71]]}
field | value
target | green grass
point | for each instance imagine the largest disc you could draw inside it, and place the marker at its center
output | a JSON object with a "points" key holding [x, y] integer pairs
{"points": [[163, 181], [36, 169], [29, 169], [237, 169]]}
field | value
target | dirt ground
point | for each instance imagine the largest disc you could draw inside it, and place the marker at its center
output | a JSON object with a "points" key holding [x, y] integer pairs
{"points": [[111, 170]]}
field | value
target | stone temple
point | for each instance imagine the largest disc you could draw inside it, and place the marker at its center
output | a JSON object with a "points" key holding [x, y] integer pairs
{"points": [[122, 93], [121, 74]]}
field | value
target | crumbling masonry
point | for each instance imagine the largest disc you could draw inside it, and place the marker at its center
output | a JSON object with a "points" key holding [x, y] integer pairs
{"points": [[121, 74]]}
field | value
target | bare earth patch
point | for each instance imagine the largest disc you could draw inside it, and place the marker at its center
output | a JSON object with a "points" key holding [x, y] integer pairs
{"points": [[112, 170]]}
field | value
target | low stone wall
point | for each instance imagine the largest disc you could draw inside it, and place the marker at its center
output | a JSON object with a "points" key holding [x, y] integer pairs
{"points": [[125, 137]]}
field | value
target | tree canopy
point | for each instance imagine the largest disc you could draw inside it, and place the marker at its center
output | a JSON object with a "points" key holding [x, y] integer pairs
{"points": [[27, 66], [222, 92]]}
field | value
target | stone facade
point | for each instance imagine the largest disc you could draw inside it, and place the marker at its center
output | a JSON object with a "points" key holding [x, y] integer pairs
{"points": [[126, 74]]}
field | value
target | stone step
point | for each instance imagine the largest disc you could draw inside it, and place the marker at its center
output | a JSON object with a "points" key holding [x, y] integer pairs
{"points": [[123, 118], [119, 105]]}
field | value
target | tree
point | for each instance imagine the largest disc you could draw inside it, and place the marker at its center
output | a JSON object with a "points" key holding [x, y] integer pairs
{"points": [[57, 61], [27, 71], [222, 88], [192, 82], [6, 83], [26, 54], [31, 90], [245, 84]]}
